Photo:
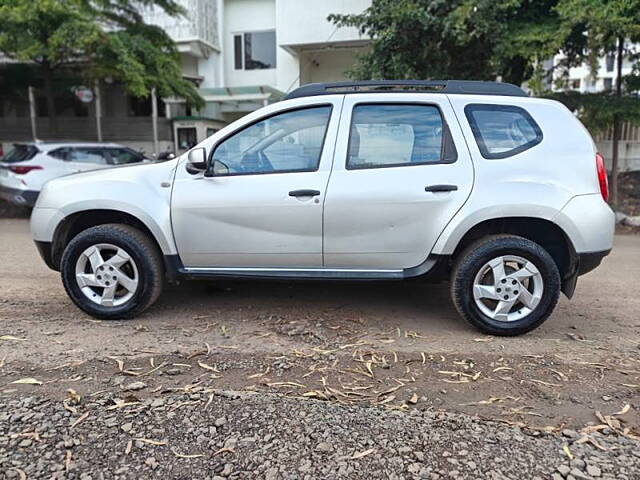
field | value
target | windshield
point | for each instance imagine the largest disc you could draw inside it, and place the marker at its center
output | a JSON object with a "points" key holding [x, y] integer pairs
{"points": [[20, 153]]}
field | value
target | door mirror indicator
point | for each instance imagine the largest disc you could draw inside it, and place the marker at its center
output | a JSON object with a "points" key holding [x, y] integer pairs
{"points": [[196, 160]]}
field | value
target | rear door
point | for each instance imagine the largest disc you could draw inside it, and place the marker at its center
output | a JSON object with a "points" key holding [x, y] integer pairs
{"points": [[401, 171]]}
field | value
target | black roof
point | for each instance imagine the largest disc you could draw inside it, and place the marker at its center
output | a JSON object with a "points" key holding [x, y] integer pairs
{"points": [[467, 87]]}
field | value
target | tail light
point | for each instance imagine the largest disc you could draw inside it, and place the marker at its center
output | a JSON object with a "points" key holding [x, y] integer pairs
{"points": [[602, 177], [23, 169]]}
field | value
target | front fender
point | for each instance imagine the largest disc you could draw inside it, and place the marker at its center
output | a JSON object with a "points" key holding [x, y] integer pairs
{"points": [[143, 192]]}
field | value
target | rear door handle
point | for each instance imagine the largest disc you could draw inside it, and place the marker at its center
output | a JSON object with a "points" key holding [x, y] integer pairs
{"points": [[441, 188], [304, 193]]}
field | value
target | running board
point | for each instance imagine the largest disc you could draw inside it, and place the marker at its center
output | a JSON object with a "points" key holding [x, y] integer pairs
{"points": [[307, 273]]}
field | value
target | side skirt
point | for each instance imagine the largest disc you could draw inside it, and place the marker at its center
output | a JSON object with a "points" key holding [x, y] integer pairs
{"points": [[176, 271]]}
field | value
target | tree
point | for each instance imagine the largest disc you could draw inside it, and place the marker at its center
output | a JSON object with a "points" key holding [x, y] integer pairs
{"points": [[99, 38], [464, 39], [611, 26]]}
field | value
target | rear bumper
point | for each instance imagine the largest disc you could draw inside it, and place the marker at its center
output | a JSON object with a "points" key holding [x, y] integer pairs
{"points": [[585, 263], [589, 261], [24, 198]]}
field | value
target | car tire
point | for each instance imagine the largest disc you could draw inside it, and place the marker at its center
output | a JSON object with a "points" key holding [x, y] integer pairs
{"points": [[122, 280], [509, 300]]}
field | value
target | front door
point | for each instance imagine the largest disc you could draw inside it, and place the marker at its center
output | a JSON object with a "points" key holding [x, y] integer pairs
{"points": [[401, 172], [263, 206]]}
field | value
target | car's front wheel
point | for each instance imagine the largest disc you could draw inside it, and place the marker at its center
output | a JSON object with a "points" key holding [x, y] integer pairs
{"points": [[112, 271], [505, 285]]}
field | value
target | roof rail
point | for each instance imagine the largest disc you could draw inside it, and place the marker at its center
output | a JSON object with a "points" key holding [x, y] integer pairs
{"points": [[466, 87]]}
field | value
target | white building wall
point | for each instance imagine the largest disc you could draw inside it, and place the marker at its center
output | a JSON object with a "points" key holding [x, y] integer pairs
{"points": [[304, 22], [247, 16]]}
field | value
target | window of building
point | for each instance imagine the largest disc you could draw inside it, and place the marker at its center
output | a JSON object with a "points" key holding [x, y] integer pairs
{"points": [[574, 84], [610, 61], [393, 135], [254, 50], [141, 107], [502, 130], [608, 84], [286, 142]]}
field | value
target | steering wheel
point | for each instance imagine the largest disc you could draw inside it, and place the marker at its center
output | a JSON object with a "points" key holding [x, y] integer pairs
{"points": [[256, 162]]}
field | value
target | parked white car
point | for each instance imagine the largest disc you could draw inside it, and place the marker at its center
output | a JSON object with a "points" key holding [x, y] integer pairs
{"points": [[470, 181], [28, 166]]}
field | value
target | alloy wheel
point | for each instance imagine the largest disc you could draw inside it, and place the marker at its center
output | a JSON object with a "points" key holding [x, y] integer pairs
{"points": [[508, 288], [107, 275]]}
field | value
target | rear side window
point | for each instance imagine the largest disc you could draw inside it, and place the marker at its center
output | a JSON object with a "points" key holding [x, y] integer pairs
{"points": [[20, 153], [60, 153], [395, 135], [502, 131], [122, 156]]}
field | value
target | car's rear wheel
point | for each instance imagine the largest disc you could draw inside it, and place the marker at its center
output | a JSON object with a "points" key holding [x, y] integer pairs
{"points": [[505, 285], [112, 271]]}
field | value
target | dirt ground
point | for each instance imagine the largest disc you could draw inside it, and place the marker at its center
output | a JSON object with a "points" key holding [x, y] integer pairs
{"points": [[400, 345]]}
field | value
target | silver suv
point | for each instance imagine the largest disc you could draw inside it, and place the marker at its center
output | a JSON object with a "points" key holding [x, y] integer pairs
{"points": [[476, 182]]}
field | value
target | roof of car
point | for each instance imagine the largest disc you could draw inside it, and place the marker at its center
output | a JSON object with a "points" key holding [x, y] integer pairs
{"points": [[49, 145], [463, 87]]}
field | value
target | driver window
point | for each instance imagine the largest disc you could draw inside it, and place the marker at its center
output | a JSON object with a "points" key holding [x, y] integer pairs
{"points": [[287, 142]]}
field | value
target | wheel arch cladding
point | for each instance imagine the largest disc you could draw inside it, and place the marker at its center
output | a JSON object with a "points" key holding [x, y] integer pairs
{"points": [[77, 222], [544, 232]]}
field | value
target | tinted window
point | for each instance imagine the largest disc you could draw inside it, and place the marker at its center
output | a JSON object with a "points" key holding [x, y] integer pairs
{"points": [[287, 142], [20, 153], [88, 155], [121, 156], [59, 153], [502, 130], [387, 135]]}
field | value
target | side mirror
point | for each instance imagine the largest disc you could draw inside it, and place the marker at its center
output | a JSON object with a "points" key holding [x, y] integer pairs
{"points": [[197, 160]]}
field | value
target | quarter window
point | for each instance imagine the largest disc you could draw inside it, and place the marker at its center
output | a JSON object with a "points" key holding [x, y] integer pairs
{"points": [[254, 50], [392, 135], [287, 142], [502, 131]]}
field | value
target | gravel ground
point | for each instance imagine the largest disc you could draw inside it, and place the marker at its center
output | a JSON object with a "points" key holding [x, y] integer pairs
{"points": [[213, 434], [285, 380]]}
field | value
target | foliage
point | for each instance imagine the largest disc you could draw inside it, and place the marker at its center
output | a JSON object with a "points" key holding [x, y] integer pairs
{"points": [[596, 110], [467, 39], [100, 38]]}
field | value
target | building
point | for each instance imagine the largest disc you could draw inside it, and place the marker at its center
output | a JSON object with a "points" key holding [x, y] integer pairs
{"points": [[583, 80], [242, 54]]}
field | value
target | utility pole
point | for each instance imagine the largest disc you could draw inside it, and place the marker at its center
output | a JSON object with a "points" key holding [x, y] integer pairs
{"points": [[96, 89], [32, 113], [617, 125], [154, 119]]}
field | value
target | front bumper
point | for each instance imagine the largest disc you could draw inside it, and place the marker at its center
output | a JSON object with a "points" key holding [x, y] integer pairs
{"points": [[45, 251], [23, 198]]}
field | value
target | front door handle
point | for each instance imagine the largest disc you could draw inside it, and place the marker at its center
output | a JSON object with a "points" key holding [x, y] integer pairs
{"points": [[304, 193], [441, 188]]}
